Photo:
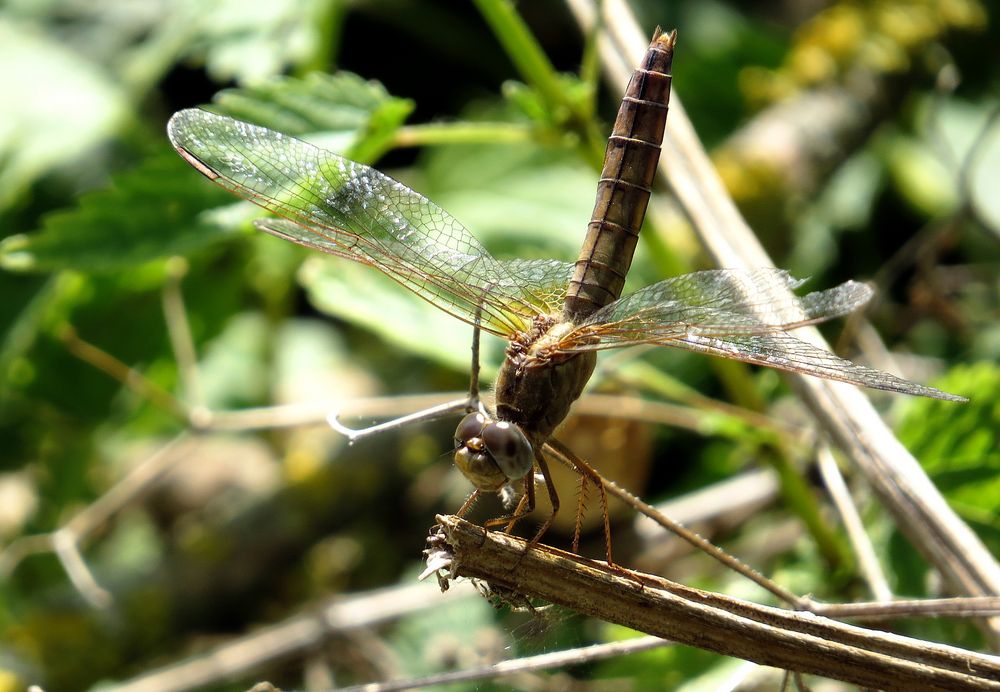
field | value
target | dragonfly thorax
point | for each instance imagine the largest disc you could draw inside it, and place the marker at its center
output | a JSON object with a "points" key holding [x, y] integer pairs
{"points": [[537, 384]]}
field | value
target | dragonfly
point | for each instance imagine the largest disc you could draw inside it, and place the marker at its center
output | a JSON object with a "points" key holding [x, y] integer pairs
{"points": [[555, 315]]}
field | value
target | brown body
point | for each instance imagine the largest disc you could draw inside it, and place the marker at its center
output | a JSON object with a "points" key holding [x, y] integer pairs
{"points": [[624, 189], [536, 388]]}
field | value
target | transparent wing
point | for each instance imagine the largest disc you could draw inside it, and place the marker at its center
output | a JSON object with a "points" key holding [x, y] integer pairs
{"points": [[723, 301], [347, 209], [741, 315]]}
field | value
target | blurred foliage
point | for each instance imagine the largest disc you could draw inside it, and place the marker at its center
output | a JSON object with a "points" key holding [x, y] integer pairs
{"points": [[254, 526], [886, 36], [960, 447]]}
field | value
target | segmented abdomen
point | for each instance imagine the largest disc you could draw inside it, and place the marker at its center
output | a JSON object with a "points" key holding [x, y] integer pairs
{"points": [[623, 191]]}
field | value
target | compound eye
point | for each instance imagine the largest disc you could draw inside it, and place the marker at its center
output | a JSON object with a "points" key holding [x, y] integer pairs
{"points": [[509, 448], [471, 426]]}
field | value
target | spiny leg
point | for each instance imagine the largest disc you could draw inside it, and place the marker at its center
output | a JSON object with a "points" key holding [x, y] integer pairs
{"points": [[469, 502], [581, 508], [588, 473]]}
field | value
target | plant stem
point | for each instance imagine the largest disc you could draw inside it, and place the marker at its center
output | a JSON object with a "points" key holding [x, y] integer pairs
{"points": [[431, 134], [524, 51]]}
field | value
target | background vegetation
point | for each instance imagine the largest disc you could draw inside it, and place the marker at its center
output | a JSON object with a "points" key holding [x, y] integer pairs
{"points": [[106, 229]]}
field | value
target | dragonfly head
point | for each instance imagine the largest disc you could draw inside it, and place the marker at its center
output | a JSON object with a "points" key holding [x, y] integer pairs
{"points": [[490, 453]]}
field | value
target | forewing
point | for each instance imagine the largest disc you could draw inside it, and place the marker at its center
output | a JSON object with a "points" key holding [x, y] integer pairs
{"points": [[741, 315], [543, 281], [344, 208]]}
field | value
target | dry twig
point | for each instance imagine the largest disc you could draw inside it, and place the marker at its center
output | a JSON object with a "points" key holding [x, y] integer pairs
{"points": [[796, 641]]}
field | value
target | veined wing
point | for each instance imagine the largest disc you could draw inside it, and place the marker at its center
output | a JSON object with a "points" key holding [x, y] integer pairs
{"points": [[723, 301], [344, 208], [741, 315]]}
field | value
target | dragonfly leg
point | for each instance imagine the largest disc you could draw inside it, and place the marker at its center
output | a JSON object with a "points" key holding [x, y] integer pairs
{"points": [[446, 409], [581, 508], [469, 502], [588, 474], [525, 506], [474, 403], [550, 486]]}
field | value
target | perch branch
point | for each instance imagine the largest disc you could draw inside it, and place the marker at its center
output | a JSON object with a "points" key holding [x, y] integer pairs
{"points": [[796, 641]]}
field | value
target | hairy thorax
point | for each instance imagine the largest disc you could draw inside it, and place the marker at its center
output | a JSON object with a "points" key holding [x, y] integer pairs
{"points": [[536, 386]]}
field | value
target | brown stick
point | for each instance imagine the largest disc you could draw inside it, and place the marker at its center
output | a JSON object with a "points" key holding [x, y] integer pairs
{"points": [[769, 636]]}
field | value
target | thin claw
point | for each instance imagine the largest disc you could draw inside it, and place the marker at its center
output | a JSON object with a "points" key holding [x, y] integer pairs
{"points": [[333, 420]]}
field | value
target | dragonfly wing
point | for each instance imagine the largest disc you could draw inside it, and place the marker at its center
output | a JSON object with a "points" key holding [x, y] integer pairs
{"points": [[741, 315], [715, 302], [348, 209], [785, 352], [543, 281], [730, 299]]}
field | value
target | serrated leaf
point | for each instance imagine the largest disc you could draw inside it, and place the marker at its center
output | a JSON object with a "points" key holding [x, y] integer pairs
{"points": [[316, 103], [959, 445], [159, 209], [352, 117], [78, 107], [150, 212]]}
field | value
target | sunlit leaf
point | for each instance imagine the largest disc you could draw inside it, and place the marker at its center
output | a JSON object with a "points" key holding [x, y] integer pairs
{"points": [[341, 112], [972, 134], [525, 199], [923, 179], [153, 211], [250, 40], [959, 446], [369, 299]]}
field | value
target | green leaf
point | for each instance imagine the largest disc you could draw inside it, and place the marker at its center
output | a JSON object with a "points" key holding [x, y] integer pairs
{"points": [[250, 40], [367, 298], [159, 209], [922, 178], [153, 211], [959, 445], [233, 371], [56, 106], [343, 112], [519, 199]]}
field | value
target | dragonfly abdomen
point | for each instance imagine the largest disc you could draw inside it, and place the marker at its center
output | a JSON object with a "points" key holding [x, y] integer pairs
{"points": [[623, 191]]}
